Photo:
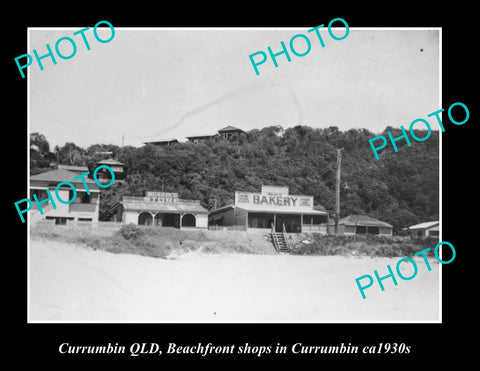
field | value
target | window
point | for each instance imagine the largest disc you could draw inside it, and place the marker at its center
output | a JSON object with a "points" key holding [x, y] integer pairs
{"points": [[41, 194], [259, 220], [86, 198], [361, 229], [85, 221], [307, 219], [59, 220], [312, 219]]}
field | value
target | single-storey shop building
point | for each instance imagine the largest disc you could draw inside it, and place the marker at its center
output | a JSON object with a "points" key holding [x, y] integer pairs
{"points": [[164, 209], [273, 206]]}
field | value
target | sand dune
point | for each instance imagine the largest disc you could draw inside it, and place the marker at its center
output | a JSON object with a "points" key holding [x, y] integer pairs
{"points": [[74, 284]]}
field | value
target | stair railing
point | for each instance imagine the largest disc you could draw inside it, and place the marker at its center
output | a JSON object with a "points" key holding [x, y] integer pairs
{"points": [[285, 237], [276, 244]]}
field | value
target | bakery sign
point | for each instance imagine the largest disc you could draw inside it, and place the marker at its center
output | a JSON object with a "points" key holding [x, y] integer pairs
{"points": [[273, 201]]}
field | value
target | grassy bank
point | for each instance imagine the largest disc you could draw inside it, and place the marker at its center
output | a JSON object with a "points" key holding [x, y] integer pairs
{"points": [[168, 242], [361, 245], [155, 242]]}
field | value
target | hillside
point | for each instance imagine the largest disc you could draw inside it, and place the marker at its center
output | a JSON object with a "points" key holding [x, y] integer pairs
{"points": [[401, 188]]}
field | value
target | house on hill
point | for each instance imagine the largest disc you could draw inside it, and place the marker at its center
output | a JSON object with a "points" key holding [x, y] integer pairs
{"points": [[200, 138], [425, 229], [226, 132], [84, 208], [363, 224], [229, 131], [116, 166], [163, 142]]}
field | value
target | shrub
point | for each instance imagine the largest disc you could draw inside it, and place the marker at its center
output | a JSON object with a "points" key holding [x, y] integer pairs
{"points": [[366, 245], [130, 231]]}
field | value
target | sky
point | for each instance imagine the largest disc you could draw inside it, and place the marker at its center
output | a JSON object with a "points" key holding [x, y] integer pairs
{"points": [[160, 83]]}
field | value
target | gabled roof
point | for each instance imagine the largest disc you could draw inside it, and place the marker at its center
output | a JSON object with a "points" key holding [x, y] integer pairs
{"points": [[363, 220], [202, 136], [425, 225], [81, 169], [110, 161], [267, 209], [230, 128], [167, 140], [54, 177]]}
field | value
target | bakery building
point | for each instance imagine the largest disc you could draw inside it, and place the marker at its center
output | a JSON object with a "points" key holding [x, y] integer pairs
{"points": [[272, 206]]}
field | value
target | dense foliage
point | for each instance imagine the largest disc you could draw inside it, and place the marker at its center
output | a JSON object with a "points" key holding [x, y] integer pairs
{"points": [[402, 188]]}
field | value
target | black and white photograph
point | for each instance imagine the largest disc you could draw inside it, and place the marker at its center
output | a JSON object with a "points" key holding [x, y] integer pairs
{"points": [[287, 186], [234, 196]]}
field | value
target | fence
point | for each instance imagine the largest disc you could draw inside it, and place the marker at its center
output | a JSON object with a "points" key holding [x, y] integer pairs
{"points": [[110, 224], [321, 228], [227, 228]]}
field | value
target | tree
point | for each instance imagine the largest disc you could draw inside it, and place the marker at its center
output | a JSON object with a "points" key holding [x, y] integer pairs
{"points": [[40, 155], [71, 154], [401, 188], [40, 142]]}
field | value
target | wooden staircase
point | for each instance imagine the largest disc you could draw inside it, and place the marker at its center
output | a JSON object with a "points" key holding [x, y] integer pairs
{"points": [[279, 240], [109, 213]]}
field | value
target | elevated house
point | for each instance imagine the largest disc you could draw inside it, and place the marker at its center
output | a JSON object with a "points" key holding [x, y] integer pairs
{"points": [[226, 133], [229, 131], [116, 166], [163, 142], [200, 138], [363, 224], [84, 208], [425, 229]]}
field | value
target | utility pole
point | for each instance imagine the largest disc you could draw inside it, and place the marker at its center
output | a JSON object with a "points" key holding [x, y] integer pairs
{"points": [[337, 190]]}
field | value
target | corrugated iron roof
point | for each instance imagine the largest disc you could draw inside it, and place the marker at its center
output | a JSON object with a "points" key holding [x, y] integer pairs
{"points": [[271, 210], [230, 128], [81, 169], [158, 206], [426, 225], [110, 161], [363, 220], [202, 136], [277, 211], [63, 175]]}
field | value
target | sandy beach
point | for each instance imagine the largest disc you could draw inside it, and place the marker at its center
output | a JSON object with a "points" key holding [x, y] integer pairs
{"points": [[73, 283]]}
